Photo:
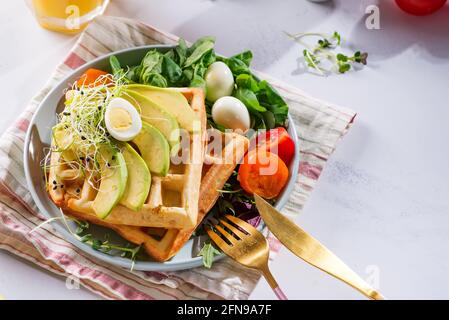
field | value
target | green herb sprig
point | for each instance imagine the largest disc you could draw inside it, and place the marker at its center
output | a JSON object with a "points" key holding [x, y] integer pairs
{"points": [[323, 51], [208, 252]]}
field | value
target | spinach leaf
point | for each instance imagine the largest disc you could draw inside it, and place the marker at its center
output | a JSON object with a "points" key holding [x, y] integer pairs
{"points": [[151, 61], [133, 73], [247, 81], [198, 43], [157, 80], [171, 71], [270, 99], [203, 46], [198, 82], [245, 57], [269, 120], [181, 52], [237, 66], [249, 99], [151, 68]]}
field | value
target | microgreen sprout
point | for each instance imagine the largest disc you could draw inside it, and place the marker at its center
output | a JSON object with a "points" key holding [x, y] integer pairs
{"points": [[323, 50], [80, 132]]}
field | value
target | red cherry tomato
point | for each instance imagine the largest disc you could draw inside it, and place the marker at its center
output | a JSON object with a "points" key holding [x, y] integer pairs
{"points": [[420, 7], [277, 141], [263, 172]]}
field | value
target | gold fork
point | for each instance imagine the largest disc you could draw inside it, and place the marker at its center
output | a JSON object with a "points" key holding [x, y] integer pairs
{"points": [[246, 245]]}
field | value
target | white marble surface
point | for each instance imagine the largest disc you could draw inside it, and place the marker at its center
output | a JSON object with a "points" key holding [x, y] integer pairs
{"points": [[381, 203]]}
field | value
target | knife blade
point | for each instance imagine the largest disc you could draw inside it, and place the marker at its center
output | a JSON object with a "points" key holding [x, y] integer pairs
{"points": [[311, 250]]}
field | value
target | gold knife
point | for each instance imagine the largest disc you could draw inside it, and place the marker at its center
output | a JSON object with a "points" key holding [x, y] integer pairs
{"points": [[311, 250]]}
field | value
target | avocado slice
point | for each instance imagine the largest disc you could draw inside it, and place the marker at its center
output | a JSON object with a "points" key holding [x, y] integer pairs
{"points": [[171, 101], [156, 116], [139, 179], [154, 149], [113, 181]]}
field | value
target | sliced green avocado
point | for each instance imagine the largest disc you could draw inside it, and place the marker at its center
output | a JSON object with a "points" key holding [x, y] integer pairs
{"points": [[139, 180], [113, 181], [153, 114], [171, 101], [154, 149]]}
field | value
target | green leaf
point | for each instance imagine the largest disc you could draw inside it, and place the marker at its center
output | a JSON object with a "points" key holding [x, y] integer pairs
{"points": [[246, 57], [249, 99], [337, 37], [157, 80], [152, 61], [269, 120], [171, 71], [200, 42], [115, 65], [344, 67], [181, 52], [237, 66], [198, 82], [208, 252], [342, 57], [272, 101], [150, 69], [200, 48], [133, 73], [247, 81], [96, 244]]}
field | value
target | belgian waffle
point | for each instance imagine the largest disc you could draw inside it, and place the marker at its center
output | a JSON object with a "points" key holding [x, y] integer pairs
{"points": [[162, 244]]}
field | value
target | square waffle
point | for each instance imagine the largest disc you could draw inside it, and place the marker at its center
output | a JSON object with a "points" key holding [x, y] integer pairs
{"points": [[173, 199], [162, 244]]}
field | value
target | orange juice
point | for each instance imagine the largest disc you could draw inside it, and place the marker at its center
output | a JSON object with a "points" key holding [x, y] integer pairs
{"points": [[69, 16]]}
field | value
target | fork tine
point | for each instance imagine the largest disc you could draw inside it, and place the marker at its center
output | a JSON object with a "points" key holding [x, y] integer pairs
{"points": [[216, 239], [236, 231], [226, 234], [242, 224]]}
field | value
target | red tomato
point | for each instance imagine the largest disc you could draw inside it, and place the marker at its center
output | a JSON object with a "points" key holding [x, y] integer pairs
{"points": [[420, 7], [278, 141], [89, 77], [263, 172]]}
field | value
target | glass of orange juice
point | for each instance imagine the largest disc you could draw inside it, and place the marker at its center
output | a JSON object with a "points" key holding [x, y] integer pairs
{"points": [[68, 16]]}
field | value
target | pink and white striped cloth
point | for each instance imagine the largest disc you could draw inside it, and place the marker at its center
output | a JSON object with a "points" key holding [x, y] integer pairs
{"points": [[320, 126]]}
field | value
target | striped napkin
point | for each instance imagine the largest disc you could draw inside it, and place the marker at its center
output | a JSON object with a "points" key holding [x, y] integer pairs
{"points": [[320, 126]]}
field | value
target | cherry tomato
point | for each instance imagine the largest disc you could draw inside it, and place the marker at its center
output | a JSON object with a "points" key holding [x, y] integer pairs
{"points": [[263, 172], [420, 7], [278, 141], [89, 78]]}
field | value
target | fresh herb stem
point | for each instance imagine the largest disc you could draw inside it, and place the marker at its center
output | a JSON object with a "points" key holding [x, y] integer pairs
{"points": [[315, 55]]}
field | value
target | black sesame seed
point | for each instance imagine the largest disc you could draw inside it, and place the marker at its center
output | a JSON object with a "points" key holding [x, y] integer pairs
{"points": [[83, 138], [62, 186], [55, 187], [108, 164], [113, 157], [78, 190], [54, 181]]}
